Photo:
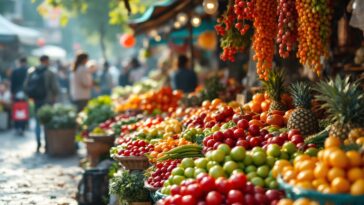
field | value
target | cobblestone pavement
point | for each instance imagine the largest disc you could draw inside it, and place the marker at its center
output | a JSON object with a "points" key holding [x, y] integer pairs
{"points": [[31, 178]]}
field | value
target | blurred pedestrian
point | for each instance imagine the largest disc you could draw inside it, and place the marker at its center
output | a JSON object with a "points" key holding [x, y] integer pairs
{"points": [[18, 76], [41, 85], [124, 75], [81, 82], [64, 82], [105, 80], [137, 71], [183, 78]]}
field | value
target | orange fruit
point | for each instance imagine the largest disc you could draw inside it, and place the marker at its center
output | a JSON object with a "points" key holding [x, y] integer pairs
{"points": [[216, 102], [320, 155], [355, 174], [317, 182], [288, 175], [258, 97], [206, 104], [332, 142], [256, 122], [265, 105], [305, 165], [360, 141], [354, 158], [285, 202], [339, 159], [263, 116], [321, 170], [255, 107], [300, 158], [302, 201], [357, 188], [306, 175], [275, 119], [305, 185], [323, 187], [335, 172], [340, 185]]}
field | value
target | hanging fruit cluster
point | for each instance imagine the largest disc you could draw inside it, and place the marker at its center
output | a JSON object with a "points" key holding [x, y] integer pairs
{"points": [[232, 27], [287, 26], [265, 25], [313, 31]]}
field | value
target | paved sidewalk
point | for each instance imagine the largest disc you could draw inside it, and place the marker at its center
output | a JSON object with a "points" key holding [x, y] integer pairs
{"points": [[31, 178]]}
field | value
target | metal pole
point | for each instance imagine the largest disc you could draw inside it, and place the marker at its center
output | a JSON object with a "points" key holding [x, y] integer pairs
{"points": [[190, 29]]}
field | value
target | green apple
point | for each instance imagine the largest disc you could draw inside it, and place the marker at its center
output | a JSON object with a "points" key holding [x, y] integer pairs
{"points": [[187, 162], [274, 150], [216, 171], [225, 148], [250, 168], [248, 160], [237, 171], [178, 171], [289, 147], [238, 153], [211, 164], [258, 149], [311, 151], [228, 158], [263, 171], [178, 179], [257, 181], [230, 166], [251, 175], [201, 163], [199, 171], [218, 155], [270, 161], [273, 185], [259, 158], [189, 172]]}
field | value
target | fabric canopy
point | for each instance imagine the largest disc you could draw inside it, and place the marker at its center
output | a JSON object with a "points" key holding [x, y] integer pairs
{"points": [[26, 35], [54, 52]]}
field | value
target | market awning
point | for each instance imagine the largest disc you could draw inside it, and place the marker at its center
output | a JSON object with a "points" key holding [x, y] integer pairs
{"points": [[53, 52], [159, 14], [26, 35]]}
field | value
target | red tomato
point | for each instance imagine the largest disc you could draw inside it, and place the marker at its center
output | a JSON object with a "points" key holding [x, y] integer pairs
{"points": [[207, 184], [238, 181], [235, 196], [188, 200], [223, 185], [213, 198], [194, 190]]}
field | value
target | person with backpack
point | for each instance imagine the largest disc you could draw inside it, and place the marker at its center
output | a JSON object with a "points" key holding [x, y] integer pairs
{"points": [[41, 85]]}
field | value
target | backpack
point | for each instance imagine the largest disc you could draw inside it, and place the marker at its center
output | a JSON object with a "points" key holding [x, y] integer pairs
{"points": [[36, 87]]}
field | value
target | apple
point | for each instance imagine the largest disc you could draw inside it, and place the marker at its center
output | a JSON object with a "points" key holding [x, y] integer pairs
{"points": [[218, 136], [239, 133], [254, 130], [243, 124], [293, 132], [296, 139], [230, 141], [229, 133]]}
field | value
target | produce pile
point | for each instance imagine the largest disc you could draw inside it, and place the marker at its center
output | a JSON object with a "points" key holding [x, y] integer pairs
{"points": [[304, 24], [229, 153]]}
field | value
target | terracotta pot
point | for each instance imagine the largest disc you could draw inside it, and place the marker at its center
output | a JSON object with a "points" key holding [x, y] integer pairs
{"points": [[96, 149], [60, 142]]}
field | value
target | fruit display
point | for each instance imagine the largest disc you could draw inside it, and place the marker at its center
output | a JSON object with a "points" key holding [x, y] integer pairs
{"points": [[208, 190], [134, 148], [287, 27], [334, 170], [159, 174]]}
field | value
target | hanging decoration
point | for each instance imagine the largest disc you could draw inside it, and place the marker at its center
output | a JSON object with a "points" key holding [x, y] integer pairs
{"points": [[207, 40], [41, 42], [287, 27], [127, 40], [210, 6]]}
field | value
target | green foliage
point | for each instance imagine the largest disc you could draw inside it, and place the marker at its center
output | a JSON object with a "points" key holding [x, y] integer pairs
{"points": [[342, 99], [302, 94], [275, 84], [97, 111], [57, 116], [129, 186]]}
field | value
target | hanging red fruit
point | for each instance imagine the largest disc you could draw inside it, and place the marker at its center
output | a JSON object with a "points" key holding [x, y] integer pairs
{"points": [[314, 19], [287, 26], [265, 31], [127, 40]]}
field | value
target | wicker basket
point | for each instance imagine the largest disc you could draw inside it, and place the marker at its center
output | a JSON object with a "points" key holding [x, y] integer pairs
{"points": [[334, 199], [133, 162]]}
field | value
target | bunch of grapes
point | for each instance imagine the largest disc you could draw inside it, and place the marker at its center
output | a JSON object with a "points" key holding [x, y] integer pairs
{"points": [[313, 31], [161, 172], [287, 27], [265, 25], [232, 27]]}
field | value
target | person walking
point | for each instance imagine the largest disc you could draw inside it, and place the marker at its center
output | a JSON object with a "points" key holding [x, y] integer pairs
{"points": [[81, 82], [105, 80], [183, 78], [18, 76], [41, 85]]}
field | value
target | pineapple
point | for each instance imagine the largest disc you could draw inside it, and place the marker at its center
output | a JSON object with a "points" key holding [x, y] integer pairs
{"points": [[343, 101], [302, 118], [274, 87]]}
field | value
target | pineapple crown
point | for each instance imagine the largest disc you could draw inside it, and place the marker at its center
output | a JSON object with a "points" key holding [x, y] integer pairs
{"points": [[343, 100], [274, 84], [301, 93]]}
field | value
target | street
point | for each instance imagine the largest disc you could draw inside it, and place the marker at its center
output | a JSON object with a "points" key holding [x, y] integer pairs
{"points": [[27, 177]]}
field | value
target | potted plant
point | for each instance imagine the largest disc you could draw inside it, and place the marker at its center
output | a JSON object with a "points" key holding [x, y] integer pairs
{"points": [[60, 128], [129, 187]]}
